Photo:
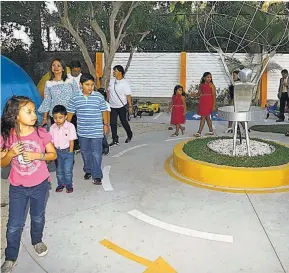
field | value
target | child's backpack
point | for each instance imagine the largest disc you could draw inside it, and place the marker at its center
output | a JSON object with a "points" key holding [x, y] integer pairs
{"points": [[103, 92]]}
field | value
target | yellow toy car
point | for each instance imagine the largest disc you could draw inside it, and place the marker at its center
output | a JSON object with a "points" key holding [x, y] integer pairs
{"points": [[149, 108]]}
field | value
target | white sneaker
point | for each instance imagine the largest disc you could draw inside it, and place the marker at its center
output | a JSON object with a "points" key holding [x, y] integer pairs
{"points": [[41, 249], [7, 266], [229, 130]]}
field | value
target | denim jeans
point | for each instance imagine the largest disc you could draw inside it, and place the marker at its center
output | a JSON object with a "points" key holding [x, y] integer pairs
{"points": [[91, 151], [18, 204], [64, 167]]}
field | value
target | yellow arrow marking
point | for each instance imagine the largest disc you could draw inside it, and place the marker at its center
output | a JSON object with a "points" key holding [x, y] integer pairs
{"points": [[158, 266]]}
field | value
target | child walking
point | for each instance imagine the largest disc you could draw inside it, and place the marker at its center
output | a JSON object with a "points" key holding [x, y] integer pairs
{"points": [[179, 110], [63, 135], [207, 103], [90, 108], [26, 147]]}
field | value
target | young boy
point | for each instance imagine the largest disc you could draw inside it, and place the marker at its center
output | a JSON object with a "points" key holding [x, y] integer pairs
{"points": [[63, 135], [75, 71], [90, 108]]}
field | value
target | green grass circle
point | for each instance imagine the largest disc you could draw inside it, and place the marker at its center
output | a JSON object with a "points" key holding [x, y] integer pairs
{"points": [[198, 150], [272, 128]]}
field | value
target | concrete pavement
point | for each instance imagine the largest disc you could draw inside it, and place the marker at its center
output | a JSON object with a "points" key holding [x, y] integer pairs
{"points": [[146, 214]]}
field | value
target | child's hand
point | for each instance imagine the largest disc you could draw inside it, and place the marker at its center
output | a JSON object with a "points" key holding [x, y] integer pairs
{"points": [[214, 108], [16, 150], [30, 156], [105, 129]]}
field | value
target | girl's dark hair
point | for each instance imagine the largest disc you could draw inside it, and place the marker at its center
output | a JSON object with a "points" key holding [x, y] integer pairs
{"points": [[9, 117], [205, 75], [176, 89], [64, 73], [86, 77], [120, 69], [59, 109]]}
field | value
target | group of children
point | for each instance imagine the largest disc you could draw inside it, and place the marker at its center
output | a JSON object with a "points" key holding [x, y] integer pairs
{"points": [[27, 146], [207, 104]]}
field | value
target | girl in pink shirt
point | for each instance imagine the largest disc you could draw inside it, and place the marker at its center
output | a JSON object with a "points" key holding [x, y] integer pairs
{"points": [[26, 147]]}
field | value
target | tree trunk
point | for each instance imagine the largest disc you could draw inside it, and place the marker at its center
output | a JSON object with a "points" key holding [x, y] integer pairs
{"points": [[132, 51], [36, 46], [67, 24], [48, 38], [107, 70]]}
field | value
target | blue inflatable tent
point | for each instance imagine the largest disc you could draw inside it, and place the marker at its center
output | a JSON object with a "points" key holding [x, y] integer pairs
{"points": [[15, 81]]}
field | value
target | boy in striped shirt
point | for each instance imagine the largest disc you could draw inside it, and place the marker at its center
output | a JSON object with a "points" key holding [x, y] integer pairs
{"points": [[92, 124]]}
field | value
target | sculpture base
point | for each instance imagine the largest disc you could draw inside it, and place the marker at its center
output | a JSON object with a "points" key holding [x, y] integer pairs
{"points": [[225, 178]]}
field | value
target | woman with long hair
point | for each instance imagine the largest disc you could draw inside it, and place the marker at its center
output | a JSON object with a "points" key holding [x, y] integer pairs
{"points": [[58, 90], [207, 103]]}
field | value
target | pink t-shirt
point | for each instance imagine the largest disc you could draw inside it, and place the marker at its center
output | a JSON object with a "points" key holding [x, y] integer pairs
{"points": [[29, 174], [62, 135]]}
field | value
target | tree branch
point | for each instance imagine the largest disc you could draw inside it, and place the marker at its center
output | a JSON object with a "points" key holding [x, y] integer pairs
{"points": [[65, 9], [119, 38], [144, 34], [133, 49], [95, 26], [67, 24], [115, 9]]}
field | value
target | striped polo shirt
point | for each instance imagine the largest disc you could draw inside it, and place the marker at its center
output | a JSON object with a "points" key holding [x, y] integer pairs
{"points": [[88, 110]]}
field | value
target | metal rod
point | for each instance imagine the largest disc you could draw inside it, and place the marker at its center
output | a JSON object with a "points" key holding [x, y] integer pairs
{"points": [[235, 138], [239, 134], [247, 138]]}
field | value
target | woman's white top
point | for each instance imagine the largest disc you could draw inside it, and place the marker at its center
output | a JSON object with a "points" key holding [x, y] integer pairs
{"points": [[58, 92], [108, 107], [118, 90]]}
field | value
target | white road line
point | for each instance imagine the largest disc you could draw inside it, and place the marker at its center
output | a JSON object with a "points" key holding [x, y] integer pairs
{"points": [[157, 116], [129, 149], [178, 138], [185, 231], [105, 180]]}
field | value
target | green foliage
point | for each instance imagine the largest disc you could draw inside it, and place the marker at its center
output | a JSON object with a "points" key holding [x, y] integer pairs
{"points": [[28, 14], [277, 129], [198, 150]]}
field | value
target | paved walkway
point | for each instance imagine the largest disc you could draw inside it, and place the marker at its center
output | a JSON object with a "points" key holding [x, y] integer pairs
{"points": [[142, 214]]}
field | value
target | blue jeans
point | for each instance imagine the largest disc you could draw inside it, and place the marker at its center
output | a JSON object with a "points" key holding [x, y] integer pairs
{"points": [[91, 151], [64, 167], [18, 204]]}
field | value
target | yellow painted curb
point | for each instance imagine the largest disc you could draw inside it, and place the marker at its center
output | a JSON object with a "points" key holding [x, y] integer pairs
{"points": [[225, 178]]}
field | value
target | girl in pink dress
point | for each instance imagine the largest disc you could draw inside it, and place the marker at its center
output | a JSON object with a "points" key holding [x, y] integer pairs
{"points": [[179, 110], [207, 103]]}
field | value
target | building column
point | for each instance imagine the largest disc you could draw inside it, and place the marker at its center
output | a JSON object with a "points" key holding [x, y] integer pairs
{"points": [[263, 89], [183, 70], [98, 67]]}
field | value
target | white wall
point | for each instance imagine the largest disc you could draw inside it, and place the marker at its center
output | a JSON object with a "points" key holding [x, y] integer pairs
{"points": [[274, 76], [156, 74], [151, 74], [198, 63]]}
